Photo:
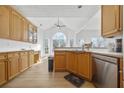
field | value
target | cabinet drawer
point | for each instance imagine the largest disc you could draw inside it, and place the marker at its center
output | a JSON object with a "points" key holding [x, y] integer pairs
{"points": [[24, 53], [3, 56], [13, 54], [31, 52]]}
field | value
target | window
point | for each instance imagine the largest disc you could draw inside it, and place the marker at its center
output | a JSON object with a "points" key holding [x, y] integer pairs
{"points": [[81, 42], [98, 42], [59, 40]]}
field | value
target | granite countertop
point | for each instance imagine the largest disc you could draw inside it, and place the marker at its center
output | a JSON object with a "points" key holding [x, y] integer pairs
{"points": [[98, 51]]}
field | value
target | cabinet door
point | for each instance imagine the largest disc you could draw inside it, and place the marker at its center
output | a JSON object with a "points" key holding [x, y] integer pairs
{"points": [[84, 65], [111, 20], [35, 36], [24, 61], [13, 65], [4, 22], [59, 61], [16, 26], [3, 71], [71, 62], [31, 58], [24, 35], [30, 33]]}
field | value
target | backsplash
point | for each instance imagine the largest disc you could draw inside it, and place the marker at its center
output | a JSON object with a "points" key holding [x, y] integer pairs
{"points": [[10, 45]]}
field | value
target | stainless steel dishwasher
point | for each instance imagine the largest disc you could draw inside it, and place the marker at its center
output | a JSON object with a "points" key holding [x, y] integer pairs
{"points": [[105, 71]]}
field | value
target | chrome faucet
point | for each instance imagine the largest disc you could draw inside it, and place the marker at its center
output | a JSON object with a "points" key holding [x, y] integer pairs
{"points": [[82, 47]]}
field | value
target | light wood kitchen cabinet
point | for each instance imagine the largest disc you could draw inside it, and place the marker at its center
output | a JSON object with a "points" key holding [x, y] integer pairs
{"points": [[24, 35], [60, 61], [84, 65], [30, 38], [35, 35], [24, 63], [121, 72], [16, 31], [3, 69], [4, 22], [31, 58], [14, 26], [112, 20], [13, 65], [71, 61], [76, 62], [37, 56]]}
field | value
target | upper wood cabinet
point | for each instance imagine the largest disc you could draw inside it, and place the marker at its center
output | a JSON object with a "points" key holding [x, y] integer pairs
{"points": [[13, 65], [85, 65], [4, 22], [60, 61], [35, 35], [3, 69], [32, 34], [111, 20], [16, 26], [24, 35]]}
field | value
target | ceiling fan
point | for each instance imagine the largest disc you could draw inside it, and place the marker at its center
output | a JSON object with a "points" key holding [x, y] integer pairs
{"points": [[58, 24]]}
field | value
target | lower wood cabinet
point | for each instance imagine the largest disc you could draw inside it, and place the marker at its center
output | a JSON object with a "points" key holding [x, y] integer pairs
{"points": [[31, 58], [85, 65], [121, 72], [36, 56], [60, 61], [78, 63], [24, 61], [3, 69], [13, 64], [71, 61]]}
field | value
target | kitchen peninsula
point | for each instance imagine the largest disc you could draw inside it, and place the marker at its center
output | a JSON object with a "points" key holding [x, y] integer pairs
{"points": [[82, 62]]}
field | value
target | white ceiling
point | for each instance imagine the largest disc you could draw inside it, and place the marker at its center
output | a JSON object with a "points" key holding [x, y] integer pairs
{"points": [[57, 10], [69, 15]]}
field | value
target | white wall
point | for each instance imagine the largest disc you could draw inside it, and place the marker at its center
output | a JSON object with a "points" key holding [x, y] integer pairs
{"points": [[91, 29], [86, 35]]}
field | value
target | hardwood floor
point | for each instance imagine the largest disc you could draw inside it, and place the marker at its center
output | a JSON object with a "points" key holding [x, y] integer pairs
{"points": [[38, 77]]}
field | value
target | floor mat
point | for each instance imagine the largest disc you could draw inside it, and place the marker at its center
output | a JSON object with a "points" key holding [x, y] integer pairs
{"points": [[74, 80]]}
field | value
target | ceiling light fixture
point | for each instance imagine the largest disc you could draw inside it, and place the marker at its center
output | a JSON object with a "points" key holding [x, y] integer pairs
{"points": [[58, 24], [79, 6]]}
